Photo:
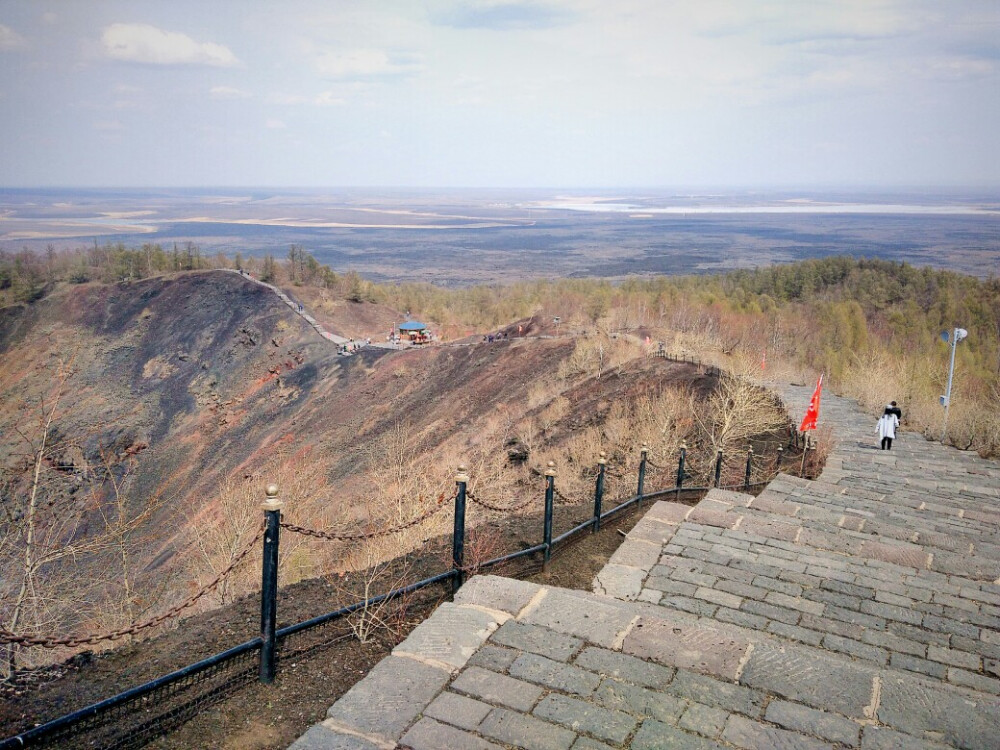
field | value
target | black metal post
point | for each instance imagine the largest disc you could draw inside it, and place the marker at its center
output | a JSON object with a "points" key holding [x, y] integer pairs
{"points": [[746, 477], [718, 467], [642, 470], [269, 584], [550, 493], [599, 492], [458, 535], [680, 469], [781, 455]]}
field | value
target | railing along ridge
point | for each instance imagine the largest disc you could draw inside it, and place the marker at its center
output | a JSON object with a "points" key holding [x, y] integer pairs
{"points": [[266, 645]]}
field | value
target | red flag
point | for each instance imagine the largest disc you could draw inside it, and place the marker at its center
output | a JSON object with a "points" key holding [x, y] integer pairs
{"points": [[763, 361], [812, 413]]}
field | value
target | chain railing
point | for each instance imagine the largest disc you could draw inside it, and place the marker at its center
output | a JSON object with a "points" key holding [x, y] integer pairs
{"points": [[350, 536], [266, 644], [135, 628]]}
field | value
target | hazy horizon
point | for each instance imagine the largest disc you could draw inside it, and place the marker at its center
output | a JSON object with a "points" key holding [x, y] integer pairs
{"points": [[561, 94]]}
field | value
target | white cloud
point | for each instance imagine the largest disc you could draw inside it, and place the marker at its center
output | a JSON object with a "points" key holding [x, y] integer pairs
{"points": [[227, 92], [328, 99], [142, 43], [108, 126], [273, 124], [10, 39], [363, 63]]}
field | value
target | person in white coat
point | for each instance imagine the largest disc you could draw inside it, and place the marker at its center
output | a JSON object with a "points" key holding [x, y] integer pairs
{"points": [[886, 427]]}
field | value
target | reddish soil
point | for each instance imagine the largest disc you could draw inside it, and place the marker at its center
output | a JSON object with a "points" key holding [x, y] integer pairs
{"points": [[272, 716]]}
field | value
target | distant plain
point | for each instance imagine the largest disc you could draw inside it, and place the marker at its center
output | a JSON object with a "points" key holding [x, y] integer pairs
{"points": [[472, 236]]}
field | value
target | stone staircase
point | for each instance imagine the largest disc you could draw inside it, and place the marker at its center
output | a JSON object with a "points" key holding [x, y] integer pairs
{"points": [[860, 610]]}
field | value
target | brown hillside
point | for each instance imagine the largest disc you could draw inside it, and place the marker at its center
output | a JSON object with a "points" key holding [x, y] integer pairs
{"points": [[183, 381]]}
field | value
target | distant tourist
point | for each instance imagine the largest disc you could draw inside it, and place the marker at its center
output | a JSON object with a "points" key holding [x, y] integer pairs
{"points": [[886, 427], [893, 409]]}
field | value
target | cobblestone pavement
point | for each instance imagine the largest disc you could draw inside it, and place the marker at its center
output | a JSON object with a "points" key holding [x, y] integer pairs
{"points": [[860, 610]]}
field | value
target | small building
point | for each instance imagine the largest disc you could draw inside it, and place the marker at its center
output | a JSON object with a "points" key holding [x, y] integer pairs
{"points": [[414, 331]]}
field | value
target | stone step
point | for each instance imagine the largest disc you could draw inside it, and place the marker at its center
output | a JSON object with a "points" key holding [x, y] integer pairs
{"points": [[515, 664], [845, 537]]}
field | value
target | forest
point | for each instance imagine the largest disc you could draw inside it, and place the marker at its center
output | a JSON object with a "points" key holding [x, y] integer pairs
{"points": [[872, 326]]}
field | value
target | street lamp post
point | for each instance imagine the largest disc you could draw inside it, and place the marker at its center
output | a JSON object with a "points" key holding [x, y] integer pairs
{"points": [[956, 335]]}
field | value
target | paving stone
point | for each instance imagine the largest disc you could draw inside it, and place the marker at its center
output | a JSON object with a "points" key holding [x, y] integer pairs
{"points": [[458, 710], [954, 658], [493, 658], [320, 737], [738, 617], [688, 604], [850, 589], [536, 640], [947, 625], [588, 617], [619, 582], [808, 676], [586, 743], [525, 731], [450, 636], [772, 612], [625, 668], [855, 648], [497, 689], [390, 696], [719, 597], [704, 720], [638, 700], [967, 720], [428, 734], [855, 618], [668, 512], [655, 735], [883, 738], [504, 594], [699, 648], [636, 554], [554, 674], [752, 735], [776, 584], [796, 603], [712, 692], [649, 595], [652, 531], [823, 724], [796, 633], [833, 598], [669, 586], [582, 717], [979, 682], [891, 612], [908, 555]]}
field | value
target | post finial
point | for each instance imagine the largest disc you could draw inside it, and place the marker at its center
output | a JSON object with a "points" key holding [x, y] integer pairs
{"points": [[463, 474], [749, 449], [271, 501], [550, 470], [684, 445], [645, 448], [602, 458]]}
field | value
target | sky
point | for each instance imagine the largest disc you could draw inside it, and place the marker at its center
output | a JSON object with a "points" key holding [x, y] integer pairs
{"points": [[562, 93]]}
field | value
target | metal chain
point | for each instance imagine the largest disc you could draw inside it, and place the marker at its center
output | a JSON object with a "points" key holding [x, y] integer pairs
{"points": [[334, 536], [7, 636], [497, 507], [561, 496]]}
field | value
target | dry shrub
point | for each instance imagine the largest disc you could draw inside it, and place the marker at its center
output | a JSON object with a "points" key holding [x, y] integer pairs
{"points": [[595, 355], [736, 411]]}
